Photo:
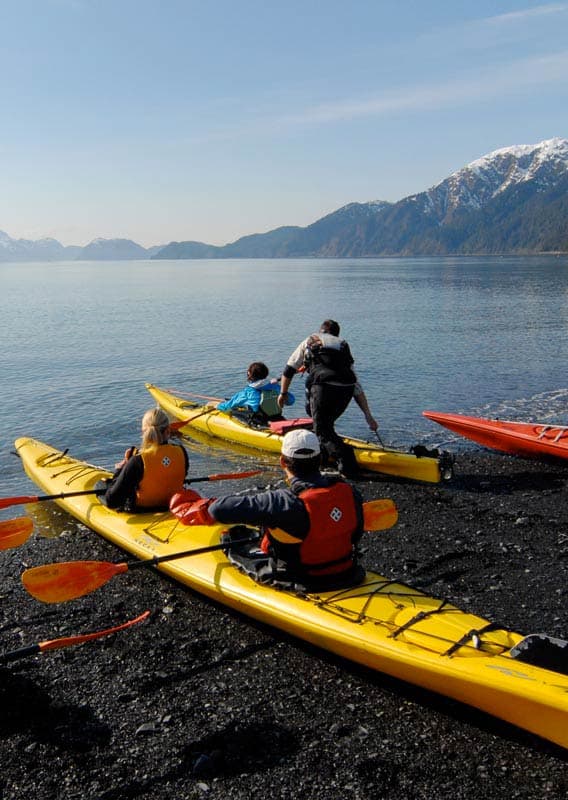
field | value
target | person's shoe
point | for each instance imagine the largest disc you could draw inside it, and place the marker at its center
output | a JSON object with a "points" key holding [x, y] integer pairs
{"points": [[348, 472]]}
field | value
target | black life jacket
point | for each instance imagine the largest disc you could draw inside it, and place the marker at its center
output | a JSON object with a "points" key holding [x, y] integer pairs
{"points": [[328, 359]]}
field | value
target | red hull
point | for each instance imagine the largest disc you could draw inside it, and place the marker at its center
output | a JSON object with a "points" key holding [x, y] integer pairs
{"points": [[528, 439]]}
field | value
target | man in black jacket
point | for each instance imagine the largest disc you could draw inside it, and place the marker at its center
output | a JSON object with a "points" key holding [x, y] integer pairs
{"points": [[330, 385]]}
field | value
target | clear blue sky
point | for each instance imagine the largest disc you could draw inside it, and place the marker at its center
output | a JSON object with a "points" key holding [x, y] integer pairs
{"points": [[161, 120]]}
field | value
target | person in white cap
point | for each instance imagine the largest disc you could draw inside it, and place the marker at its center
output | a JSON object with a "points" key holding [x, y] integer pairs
{"points": [[311, 527]]}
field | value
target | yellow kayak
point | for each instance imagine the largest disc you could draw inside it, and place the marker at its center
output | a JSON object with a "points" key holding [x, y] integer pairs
{"points": [[229, 428], [382, 624]]}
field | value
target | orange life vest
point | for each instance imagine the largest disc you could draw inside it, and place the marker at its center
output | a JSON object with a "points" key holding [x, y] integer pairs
{"points": [[164, 474]]}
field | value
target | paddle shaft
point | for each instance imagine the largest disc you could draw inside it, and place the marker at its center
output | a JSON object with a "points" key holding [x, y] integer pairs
{"points": [[15, 501], [67, 641], [181, 423], [152, 562]]}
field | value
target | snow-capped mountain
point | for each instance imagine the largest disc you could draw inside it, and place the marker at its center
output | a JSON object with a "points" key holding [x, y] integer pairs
{"points": [[29, 250], [513, 200], [52, 250], [478, 183]]}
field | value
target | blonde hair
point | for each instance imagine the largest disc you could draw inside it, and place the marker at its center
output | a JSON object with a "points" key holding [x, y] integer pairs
{"points": [[155, 423]]}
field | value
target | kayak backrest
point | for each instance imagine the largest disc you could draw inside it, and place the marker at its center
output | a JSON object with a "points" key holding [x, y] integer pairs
{"points": [[284, 425], [269, 404]]}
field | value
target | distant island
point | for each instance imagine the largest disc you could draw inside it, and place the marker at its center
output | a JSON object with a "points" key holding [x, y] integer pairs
{"points": [[511, 201]]}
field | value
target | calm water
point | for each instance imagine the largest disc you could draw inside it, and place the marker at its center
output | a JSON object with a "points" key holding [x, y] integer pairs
{"points": [[79, 341]]}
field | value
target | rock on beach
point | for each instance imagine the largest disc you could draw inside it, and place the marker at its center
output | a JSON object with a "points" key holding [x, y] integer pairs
{"points": [[200, 702]]}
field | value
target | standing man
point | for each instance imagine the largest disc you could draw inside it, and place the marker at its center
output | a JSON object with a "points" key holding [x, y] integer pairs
{"points": [[330, 385]]}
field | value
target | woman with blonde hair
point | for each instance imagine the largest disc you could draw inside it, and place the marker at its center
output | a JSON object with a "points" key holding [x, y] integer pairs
{"points": [[150, 475]]}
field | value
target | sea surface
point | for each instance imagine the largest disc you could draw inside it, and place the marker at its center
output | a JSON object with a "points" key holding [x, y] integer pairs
{"points": [[79, 341]]}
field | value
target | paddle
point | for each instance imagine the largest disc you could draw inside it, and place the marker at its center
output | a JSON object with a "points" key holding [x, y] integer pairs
{"points": [[14, 532], [67, 641], [177, 425], [56, 583], [379, 515], [379, 440], [15, 501]]}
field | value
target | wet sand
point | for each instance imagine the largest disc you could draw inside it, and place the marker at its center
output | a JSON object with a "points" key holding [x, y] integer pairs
{"points": [[201, 702]]}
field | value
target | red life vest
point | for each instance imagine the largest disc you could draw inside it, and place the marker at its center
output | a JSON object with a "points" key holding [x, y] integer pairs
{"points": [[164, 474], [328, 547]]}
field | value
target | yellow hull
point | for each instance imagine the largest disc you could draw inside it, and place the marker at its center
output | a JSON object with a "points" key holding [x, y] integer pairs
{"points": [[384, 625], [218, 424]]}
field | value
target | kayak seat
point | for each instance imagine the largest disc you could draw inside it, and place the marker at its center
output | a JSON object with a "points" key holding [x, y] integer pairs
{"points": [[544, 651], [262, 568], [269, 405]]}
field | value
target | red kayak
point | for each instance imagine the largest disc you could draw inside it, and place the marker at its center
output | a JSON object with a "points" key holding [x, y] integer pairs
{"points": [[528, 439]]}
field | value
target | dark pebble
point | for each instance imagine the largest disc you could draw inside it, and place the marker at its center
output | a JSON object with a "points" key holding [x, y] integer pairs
{"points": [[244, 712]]}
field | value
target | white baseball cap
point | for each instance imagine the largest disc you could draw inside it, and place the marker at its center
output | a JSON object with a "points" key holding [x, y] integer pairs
{"points": [[300, 444]]}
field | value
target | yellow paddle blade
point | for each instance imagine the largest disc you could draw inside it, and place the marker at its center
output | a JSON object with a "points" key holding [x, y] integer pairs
{"points": [[378, 515], [14, 532], [56, 583]]}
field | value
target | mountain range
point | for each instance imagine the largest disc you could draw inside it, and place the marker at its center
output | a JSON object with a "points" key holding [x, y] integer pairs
{"points": [[513, 200]]}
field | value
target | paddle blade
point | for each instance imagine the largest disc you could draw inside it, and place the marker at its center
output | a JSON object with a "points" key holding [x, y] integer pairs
{"points": [[378, 515], [228, 476], [67, 641], [6, 502], [14, 532], [71, 641], [56, 583], [178, 424]]}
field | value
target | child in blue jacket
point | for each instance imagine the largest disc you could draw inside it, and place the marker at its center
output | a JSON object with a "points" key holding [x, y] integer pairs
{"points": [[259, 395]]}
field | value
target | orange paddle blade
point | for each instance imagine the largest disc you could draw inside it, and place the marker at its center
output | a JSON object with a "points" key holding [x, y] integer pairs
{"points": [[69, 641], [228, 476], [14, 532], [5, 502], [56, 583], [178, 424], [378, 515]]}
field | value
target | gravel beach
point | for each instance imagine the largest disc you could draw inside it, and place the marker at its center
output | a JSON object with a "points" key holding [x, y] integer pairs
{"points": [[199, 702]]}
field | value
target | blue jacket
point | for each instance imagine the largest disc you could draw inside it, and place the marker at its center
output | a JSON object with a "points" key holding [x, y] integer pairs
{"points": [[251, 395]]}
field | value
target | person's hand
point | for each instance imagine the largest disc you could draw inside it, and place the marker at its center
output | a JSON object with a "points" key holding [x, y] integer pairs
{"points": [[282, 399], [127, 455], [183, 498], [195, 513], [373, 424]]}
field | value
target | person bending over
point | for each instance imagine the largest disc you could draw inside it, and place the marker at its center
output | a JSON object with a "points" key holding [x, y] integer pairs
{"points": [[311, 527], [149, 476], [330, 385]]}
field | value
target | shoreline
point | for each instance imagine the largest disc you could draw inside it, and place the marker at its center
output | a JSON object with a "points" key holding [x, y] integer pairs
{"points": [[201, 702]]}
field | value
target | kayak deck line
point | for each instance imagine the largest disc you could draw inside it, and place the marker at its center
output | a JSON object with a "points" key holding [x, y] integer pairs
{"points": [[382, 624]]}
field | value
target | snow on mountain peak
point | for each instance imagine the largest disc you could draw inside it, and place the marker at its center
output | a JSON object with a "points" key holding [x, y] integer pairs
{"points": [[548, 150], [486, 177]]}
